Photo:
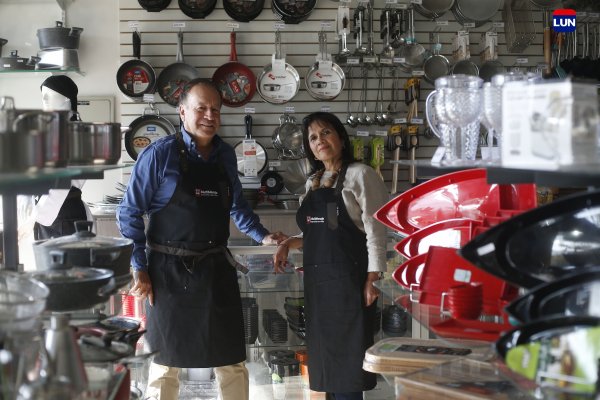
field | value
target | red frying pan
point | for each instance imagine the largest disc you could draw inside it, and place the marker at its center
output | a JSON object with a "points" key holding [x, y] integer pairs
{"points": [[136, 77], [235, 80]]}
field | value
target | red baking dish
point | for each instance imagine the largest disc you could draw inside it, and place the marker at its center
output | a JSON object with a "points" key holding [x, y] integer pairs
{"points": [[469, 329], [453, 233], [408, 274], [461, 194]]}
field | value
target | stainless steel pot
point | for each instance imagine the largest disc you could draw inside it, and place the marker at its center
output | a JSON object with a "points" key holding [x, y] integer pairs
{"points": [[59, 37], [93, 143], [287, 138]]}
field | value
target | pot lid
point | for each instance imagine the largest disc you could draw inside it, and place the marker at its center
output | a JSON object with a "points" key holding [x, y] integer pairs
{"points": [[96, 349], [71, 275], [84, 238]]}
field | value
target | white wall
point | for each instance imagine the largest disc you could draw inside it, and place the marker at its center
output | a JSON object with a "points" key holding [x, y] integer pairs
{"points": [[98, 56]]}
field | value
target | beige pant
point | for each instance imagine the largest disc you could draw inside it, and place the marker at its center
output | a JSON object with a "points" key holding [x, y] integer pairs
{"points": [[232, 381]]}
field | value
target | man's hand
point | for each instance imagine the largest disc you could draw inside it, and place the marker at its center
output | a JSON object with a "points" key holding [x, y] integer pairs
{"points": [[371, 292], [274, 238], [142, 287]]}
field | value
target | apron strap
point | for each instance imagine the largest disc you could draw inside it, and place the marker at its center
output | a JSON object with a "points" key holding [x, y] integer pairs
{"points": [[340, 182], [197, 256]]}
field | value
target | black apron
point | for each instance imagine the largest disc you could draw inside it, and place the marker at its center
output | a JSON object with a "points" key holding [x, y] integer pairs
{"points": [[71, 211], [196, 320], [339, 328]]}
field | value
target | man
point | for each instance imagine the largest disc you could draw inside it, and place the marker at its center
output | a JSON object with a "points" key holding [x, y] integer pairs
{"points": [[188, 185]]}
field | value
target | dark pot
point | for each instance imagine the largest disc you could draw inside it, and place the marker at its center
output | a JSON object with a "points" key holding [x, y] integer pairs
{"points": [[93, 143], [85, 249], [2, 43], [59, 37], [14, 62], [76, 288]]}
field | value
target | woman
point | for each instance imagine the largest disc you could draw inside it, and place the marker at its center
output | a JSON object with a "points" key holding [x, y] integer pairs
{"points": [[343, 254]]}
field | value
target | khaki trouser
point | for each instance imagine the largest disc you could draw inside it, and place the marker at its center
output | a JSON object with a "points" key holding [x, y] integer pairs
{"points": [[232, 382]]}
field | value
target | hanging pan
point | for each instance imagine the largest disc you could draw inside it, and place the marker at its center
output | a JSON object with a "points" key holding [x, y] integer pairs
{"points": [[325, 80], [272, 182], [136, 77], [154, 5], [243, 11], [436, 65], [173, 78], [542, 244], [261, 154], [146, 129], [235, 80], [197, 9], [279, 82]]}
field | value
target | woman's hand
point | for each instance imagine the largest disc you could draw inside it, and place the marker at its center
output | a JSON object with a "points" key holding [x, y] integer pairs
{"points": [[280, 257], [371, 292], [274, 238], [142, 287]]}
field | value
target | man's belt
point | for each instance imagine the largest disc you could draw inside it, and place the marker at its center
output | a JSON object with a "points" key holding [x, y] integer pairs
{"points": [[198, 256]]}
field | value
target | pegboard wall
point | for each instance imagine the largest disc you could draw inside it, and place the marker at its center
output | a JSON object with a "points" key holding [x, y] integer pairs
{"points": [[206, 47]]}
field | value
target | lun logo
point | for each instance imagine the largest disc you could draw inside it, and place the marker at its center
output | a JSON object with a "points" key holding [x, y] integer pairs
{"points": [[563, 20]]}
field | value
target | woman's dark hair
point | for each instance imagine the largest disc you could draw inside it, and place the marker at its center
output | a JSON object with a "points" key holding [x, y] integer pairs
{"points": [[333, 121], [198, 81]]}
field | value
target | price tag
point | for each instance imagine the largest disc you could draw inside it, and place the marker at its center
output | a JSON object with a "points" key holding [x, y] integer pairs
{"points": [[400, 121], [418, 72], [249, 110], [249, 152], [325, 24], [325, 65], [416, 1], [290, 109], [416, 121], [438, 155], [278, 65], [353, 61], [148, 97], [345, 1], [362, 133], [402, 6], [279, 25], [178, 25], [232, 25], [391, 1], [276, 163], [582, 14], [441, 23], [399, 60], [381, 133], [385, 61], [498, 24], [522, 60], [325, 108], [134, 24], [594, 15], [469, 25], [370, 60]]}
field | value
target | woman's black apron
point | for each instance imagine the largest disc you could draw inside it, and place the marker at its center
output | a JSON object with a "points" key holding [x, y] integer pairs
{"points": [[196, 320], [71, 211], [339, 328]]}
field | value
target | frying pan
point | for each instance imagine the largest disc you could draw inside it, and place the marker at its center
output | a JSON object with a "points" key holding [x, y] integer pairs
{"points": [[436, 65], [154, 5], [145, 130], [136, 77], [325, 80], [173, 78], [235, 80], [261, 154], [278, 85], [491, 68], [272, 182], [243, 11], [197, 9]]}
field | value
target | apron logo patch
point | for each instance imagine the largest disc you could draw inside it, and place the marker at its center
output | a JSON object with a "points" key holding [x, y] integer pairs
{"points": [[205, 193], [315, 220]]}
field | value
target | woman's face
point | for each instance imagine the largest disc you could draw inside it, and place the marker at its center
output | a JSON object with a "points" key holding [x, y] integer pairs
{"points": [[325, 143]]}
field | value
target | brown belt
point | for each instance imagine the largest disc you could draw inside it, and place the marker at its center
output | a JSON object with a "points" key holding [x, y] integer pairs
{"points": [[197, 256]]}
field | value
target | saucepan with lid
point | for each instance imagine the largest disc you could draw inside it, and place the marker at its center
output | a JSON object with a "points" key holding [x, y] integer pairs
{"points": [[94, 143]]}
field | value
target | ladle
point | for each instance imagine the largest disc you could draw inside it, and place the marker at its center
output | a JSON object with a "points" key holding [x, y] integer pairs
{"points": [[351, 119]]}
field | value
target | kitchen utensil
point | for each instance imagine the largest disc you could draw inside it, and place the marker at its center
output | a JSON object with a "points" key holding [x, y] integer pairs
{"points": [[325, 80], [414, 54], [295, 175], [22, 299], [76, 288], [272, 182], [235, 80], [14, 62], [154, 5], [173, 78], [261, 154], [136, 77], [64, 59], [197, 9], [408, 274], [94, 143], [2, 43], [436, 65], [287, 138], [278, 82], [243, 11], [146, 129], [433, 9], [85, 249], [59, 37], [542, 244], [476, 11], [293, 12]]}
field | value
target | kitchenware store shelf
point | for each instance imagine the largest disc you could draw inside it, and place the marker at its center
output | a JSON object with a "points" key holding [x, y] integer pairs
{"points": [[439, 323], [565, 176], [13, 184], [42, 71]]}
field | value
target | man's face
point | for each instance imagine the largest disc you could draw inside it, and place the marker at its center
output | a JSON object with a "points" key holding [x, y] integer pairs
{"points": [[201, 112]]}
